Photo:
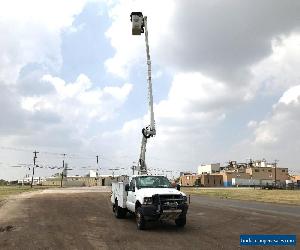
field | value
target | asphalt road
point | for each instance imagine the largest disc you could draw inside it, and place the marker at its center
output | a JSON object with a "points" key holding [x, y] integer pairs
{"points": [[83, 219]]}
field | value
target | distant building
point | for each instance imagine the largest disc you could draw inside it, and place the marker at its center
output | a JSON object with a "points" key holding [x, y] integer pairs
{"points": [[258, 172], [92, 173], [27, 181], [210, 180], [209, 168], [262, 163], [296, 180], [254, 176], [268, 173], [188, 180], [203, 180], [82, 181], [229, 174], [185, 173]]}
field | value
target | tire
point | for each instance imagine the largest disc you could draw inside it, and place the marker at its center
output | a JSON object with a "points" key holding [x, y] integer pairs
{"points": [[181, 221], [118, 211], [140, 220]]}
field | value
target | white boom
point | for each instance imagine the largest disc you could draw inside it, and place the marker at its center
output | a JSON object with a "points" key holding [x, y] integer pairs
{"points": [[139, 25]]}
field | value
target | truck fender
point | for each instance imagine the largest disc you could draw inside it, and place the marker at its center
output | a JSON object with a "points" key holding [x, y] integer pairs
{"points": [[137, 204]]}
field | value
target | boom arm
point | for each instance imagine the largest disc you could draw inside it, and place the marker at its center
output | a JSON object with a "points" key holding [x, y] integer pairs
{"points": [[150, 95], [138, 24]]}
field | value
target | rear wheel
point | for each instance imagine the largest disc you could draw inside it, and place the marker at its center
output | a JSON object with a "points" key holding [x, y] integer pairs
{"points": [[181, 221], [140, 220], [118, 211]]}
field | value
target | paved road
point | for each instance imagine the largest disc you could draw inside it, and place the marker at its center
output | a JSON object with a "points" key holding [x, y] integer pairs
{"points": [[82, 219]]}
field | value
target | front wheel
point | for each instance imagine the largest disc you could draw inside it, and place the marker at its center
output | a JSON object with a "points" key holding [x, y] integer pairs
{"points": [[181, 221], [140, 220]]}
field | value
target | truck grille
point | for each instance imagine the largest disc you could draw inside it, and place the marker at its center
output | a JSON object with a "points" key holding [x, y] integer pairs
{"points": [[168, 200]]}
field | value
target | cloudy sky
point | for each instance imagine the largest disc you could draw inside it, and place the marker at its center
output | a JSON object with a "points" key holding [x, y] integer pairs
{"points": [[226, 83]]}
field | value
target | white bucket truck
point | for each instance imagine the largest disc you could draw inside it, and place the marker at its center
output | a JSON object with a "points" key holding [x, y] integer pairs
{"points": [[150, 198]]}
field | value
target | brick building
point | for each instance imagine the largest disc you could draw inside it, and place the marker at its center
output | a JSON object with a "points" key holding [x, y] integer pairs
{"points": [[210, 180], [268, 173], [203, 180], [295, 179], [188, 180], [228, 175]]}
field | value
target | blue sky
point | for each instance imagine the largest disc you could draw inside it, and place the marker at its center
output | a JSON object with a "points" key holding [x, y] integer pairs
{"points": [[225, 87]]}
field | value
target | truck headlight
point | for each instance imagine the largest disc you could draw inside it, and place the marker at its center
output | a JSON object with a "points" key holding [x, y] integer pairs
{"points": [[184, 199], [147, 200]]}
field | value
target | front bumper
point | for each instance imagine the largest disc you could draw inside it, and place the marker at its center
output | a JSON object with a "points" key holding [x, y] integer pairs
{"points": [[156, 212]]}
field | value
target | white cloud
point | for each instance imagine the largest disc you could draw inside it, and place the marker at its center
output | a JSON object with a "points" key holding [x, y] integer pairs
{"points": [[119, 93], [219, 64], [265, 135], [218, 54], [131, 49], [32, 33], [278, 135], [194, 106], [252, 124], [193, 99], [196, 103], [283, 124], [291, 96], [65, 119], [78, 102], [280, 70], [220, 39]]}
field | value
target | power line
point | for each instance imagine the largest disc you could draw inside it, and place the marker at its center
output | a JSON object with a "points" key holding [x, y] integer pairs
{"points": [[87, 156], [15, 149]]}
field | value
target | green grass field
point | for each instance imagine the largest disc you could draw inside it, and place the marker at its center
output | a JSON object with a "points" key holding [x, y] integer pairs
{"points": [[275, 196]]}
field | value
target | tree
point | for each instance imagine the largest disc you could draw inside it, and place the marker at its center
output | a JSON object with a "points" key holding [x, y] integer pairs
{"points": [[3, 182]]}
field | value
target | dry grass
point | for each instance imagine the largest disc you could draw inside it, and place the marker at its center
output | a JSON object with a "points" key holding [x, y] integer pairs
{"points": [[275, 196], [6, 191]]}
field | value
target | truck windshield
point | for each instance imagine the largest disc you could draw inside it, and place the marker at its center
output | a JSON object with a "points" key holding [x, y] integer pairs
{"points": [[152, 182]]}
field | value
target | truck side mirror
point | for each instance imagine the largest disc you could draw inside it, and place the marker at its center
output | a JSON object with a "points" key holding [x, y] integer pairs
{"points": [[127, 187], [178, 187]]}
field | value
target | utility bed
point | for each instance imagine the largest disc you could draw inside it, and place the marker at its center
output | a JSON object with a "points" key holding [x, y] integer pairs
{"points": [[119, 193]]}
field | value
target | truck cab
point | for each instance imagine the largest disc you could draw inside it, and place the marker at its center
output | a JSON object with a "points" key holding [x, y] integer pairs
{"points": [[150, 198]]}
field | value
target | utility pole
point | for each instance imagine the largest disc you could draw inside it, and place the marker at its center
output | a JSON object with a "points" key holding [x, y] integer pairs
{"points": [[133, 167], [113, 171], [62, 173], [97, 158], [98, 169], [34, 158], [275, 165]]}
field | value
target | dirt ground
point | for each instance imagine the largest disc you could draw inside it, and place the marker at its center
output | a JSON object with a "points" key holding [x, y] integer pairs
{"points": [[82, 218]]}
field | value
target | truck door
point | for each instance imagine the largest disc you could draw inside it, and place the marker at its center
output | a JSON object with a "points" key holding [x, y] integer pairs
{"points": [[130, 202]]}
